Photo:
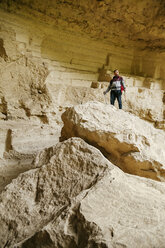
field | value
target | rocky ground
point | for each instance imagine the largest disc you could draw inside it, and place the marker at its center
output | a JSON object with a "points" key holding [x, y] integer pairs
{"points": [[74, 197], [71, 194], [129, 142], [76, 172]]}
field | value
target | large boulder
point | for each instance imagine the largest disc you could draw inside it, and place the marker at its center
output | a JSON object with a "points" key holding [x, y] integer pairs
{"points": [[37, 196], [148, 104], [19, 143], [120, 210], [123, 211], [75, 198], [129, 142]]}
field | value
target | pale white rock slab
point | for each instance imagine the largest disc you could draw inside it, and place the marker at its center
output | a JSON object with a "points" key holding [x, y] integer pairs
{"points": [[129, 142], [120, 210], [124, 211], [36, 197], [77, 198], [19, 143]]}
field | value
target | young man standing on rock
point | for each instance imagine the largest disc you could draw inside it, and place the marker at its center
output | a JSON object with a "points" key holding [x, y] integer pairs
{"points": [[115, 86]]}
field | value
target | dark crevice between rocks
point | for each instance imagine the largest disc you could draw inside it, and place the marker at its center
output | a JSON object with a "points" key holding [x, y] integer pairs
{"points": [[3, 107], [27, 110], [8, 142], [2, 50], [43, 119], [89, 233], [163, 99], [39, 240]]}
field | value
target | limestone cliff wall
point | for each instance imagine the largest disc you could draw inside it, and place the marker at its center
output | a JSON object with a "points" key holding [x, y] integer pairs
{"points": [[73, 56], [51, 52], [43, 64], [87, 35]]}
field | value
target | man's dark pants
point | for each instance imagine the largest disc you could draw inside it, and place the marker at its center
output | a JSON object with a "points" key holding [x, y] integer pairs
{"points": [[116, 94]]}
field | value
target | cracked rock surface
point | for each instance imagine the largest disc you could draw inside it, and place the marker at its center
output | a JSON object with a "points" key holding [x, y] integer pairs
{"points": [[115, 209], [53, 56], [129, 142], [35, 197]]}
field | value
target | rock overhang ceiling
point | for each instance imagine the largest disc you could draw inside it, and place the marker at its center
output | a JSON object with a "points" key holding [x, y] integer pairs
{"points": [[122, 22], [89, 35]]}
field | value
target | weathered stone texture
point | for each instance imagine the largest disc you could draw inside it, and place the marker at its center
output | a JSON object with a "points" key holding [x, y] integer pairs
{"points": [[57, 54], [120, 210], [138, 27], [37, 196], [131, 143]]}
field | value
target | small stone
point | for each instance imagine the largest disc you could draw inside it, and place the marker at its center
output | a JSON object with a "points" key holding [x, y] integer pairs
{"points": [[95, 85]]}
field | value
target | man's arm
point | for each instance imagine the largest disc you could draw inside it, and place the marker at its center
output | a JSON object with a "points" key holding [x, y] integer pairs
{"points": [[108, 89], [123, 84]]}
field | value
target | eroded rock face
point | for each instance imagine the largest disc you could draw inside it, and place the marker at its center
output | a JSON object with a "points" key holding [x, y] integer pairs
{"points": [[43, 65], [20, 141], [39, 195], [22, 89], [123, 34], [133, 20], [120, 210], [148, 104], [131, 143], [50, 53], [77, 198]]}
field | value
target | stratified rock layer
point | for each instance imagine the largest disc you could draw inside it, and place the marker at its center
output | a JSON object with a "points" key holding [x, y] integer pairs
{"points": [[129, 142]]}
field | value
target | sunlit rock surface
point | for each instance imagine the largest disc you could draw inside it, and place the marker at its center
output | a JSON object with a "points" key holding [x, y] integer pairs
{"points": [[131, 143], [37, 196], [55, 55], [19, 142], [126, 34], [77, 198]]}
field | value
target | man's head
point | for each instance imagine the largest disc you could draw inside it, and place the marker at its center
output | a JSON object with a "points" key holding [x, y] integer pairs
{"points": [[116, 72]]}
